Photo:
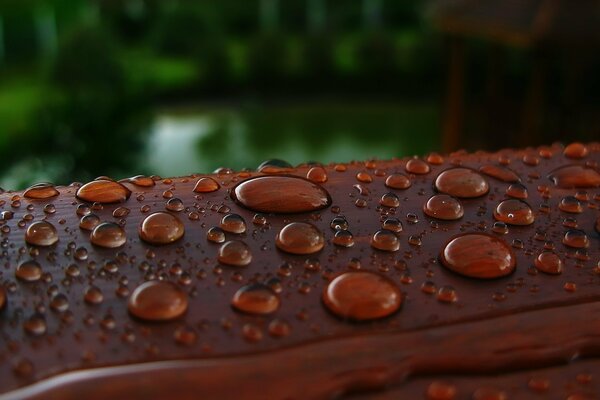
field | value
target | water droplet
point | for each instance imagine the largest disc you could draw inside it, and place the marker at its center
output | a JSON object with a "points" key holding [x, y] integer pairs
{"points": [[300, 238], [89, 222], [486, 393], [29, 271], [93, 295], [575, 150], [501, 173], [392, 224], [435, 159], [441, 391], [447, 294], [206, 185], [235, 253], [59, 303], [339, 223], [279, 328], [549, 262], [514, 212], [317, 175], [442, 206], [575, 176], [517, 191], [462, 183], [570, 287], [185, 336], [233, 223], [140, 180], [478, 255], [120, 212], [390, 200], [103, 191], [385, 240], [35, 325], [361, 296], [109, 235], [41, 233], [161, 228], [175, 205], [255, 298], [416, 166], [157, 301], [398, 181], [364, 177], [576, 238], [281, 194], [343, 238], [41, 191], [252, 333], [215, 235], [571, 205]]}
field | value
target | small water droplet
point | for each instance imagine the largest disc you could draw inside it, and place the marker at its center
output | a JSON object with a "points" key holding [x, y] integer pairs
{"points": [[233, 223], [93, 295], [89, 222], [398, 181], [41, 233], [161, 228], [103, 191], [255, 298], [343, 238], [59, 303], [392, 224], [442, 206], [215, 235], [385, 240], [140, 180], [157, 301], [488, 393], [514, 212], [41, 191], [35, 325], [575, 150], [390, 200], [252, 333], [109, 235], [300, 238], [235, 253], [281, 194], [417, 166], [364, 177], [571, 205], [339, 223], [576, 238], [462, 183], [206, 185], [175, 205], [185, 336], [478, 255], [438, 390], [29, 271], [279, 328], [317, 175], [517, 191]]}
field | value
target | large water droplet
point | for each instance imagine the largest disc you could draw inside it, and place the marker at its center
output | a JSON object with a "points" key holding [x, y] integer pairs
{"points": [[478, 255], [233, 223], [281, 194], [41, 191], [575, 150], [29, 271], [514, 212], [361, 296], [461, 182], [501, 173], [161, 228], [206, 185], [575, 176], [398, 181], [442, 206], [109, 235], [549, 262], [157, 301], [385, 240], [41, 233], [255, 298], [103, 191], [236, 253], [300, 238]]}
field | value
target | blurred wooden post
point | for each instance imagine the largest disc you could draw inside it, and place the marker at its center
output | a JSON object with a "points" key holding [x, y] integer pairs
{"points": [[453, 118]]}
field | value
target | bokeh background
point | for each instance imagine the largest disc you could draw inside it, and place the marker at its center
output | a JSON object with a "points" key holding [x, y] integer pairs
{"points": [[119, 88]]}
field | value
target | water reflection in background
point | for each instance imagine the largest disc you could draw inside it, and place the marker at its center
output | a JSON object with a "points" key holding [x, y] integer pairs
{"points": [[201, 139]]}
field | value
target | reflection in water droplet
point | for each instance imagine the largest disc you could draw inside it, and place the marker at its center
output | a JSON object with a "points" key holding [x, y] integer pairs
{"points": [[317, 175], [103, 191], [215, 235], [517, 191], [300, 238], [390, 200], [109, 235], [575, 176], [93, 295], [442, 206], [175, 205], [281, 194], [478, 255], [35, 325], [462, 183], [29, 271], [501, 173], [41, 233], [339, 223], [235, 253], [392, 224], [514, 212], [157, 301], [385, 240], [233, 223], [571, 205], [343, 238], [361, 296], [89, 222], [255, 298], [206, 185], [549, 262], [41, 191], [398, 181]]}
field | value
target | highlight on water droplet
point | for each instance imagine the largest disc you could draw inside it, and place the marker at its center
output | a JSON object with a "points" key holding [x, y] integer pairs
{"points": [[206, 185], [41, 191], [442, 206], [103, 191], [41, 233], [514, 212], [235, 253]]}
